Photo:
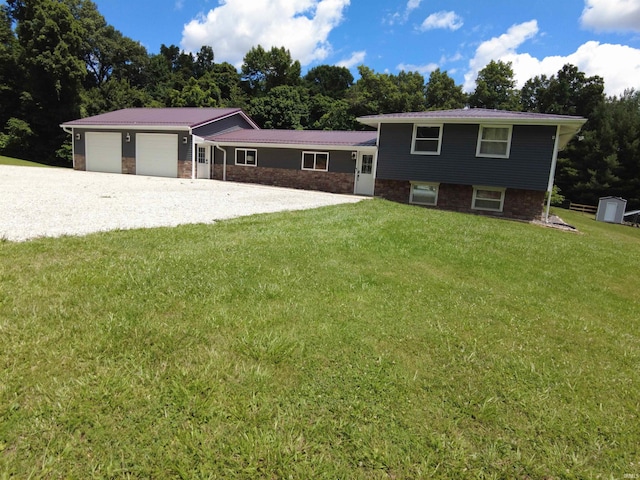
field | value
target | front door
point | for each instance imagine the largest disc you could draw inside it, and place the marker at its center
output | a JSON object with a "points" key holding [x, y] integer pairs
{"points": [[203, 163], [364, 174]]}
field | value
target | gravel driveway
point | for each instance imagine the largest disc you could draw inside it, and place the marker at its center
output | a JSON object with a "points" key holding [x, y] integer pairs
{"points": [[50, 202]]}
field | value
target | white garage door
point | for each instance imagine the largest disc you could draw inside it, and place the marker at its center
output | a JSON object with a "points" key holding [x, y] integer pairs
{"points": [[157, 154], [103, 152]]}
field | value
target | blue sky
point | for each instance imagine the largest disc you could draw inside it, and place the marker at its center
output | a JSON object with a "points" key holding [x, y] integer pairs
{"points": [[601, 37]]}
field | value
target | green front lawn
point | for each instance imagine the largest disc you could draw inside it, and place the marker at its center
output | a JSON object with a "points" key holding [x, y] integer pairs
{"points": [[373, 340], [17, 161]]}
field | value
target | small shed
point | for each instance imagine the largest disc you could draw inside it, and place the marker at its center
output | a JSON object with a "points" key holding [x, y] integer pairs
{"points": [[611, 209]]}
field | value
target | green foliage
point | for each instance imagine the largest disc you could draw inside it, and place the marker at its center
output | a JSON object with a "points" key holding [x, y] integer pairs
{"points": [[329, 81], [16, 136], [557, 199], [284, 107], [376, 93], [441, 92], [495, 88], [373, 340], [264, 70]]}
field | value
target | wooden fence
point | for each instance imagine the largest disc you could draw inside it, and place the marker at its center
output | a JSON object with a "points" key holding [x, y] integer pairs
{"points": [[578, 207]]}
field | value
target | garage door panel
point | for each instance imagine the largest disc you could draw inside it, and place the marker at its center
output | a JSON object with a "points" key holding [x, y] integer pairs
{"points": [[157, 154], [103, 152]]}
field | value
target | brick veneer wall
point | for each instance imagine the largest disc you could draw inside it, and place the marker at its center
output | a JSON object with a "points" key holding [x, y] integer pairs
{"points": [[282, 177], [184, 168], [79, 162], [519, 204], [129, 165]]}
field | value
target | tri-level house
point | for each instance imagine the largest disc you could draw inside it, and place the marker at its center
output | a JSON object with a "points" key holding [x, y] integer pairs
{"points": [[469, 160]]}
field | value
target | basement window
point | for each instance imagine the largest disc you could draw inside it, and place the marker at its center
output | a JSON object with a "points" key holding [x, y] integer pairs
{"points": [[424, 193], [488, 198]]}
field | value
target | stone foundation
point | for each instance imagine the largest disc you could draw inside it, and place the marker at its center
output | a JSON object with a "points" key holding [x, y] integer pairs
{"points": [[281, 177], [518, 204]]}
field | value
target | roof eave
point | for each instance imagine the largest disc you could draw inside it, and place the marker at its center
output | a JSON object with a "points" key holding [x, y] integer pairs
{"points": [[375, 121], [124, 126], [298, 146]]}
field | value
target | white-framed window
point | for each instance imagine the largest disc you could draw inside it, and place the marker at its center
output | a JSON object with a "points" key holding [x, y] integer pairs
{"points": [[494, 141], [426, 139], [488, 198], [424, 193], [315, 161], [246, 156], [202, 155]]}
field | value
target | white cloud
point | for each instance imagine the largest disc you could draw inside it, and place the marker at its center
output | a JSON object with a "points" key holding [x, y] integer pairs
{"points": [[179, 4], [612, 15], [403, 17], [422, 69], [234, 27], [619, 65], [412, 5], [446, 20], [498, 48], [356, 59]]}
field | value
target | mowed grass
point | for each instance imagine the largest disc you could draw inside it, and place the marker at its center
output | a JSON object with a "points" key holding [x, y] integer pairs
{"points": [[372, 340], [18, 162]]}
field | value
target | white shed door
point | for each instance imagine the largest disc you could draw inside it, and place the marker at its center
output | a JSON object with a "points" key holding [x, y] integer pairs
{"points": [[157, 154], [103, 152], [610, 212]]}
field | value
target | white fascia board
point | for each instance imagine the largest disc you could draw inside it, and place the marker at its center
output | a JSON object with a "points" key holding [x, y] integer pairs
{"points": [[298, 146], [375, 121], [163, 128], [239, 112]]}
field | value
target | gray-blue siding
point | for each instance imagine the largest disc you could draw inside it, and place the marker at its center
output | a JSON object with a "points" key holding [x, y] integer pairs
{"points": [[234, 122], [527, 167]]}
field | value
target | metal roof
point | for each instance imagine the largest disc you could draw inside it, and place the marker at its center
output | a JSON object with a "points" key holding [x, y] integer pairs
{"points": [[298, 137], [471, 114], [165, 117]]}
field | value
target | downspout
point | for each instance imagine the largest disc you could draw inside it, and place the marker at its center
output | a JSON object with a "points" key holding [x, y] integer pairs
{"points": [[194, 160], [224, 162], [73, 146], [552, 173]]}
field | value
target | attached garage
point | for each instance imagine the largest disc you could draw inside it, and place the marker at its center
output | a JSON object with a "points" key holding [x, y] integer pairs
{"points": [[157, 154], [104, 152]]}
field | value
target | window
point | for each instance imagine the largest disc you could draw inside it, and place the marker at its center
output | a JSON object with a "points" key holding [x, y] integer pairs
{"points": [[315, 161], [494, 141], [202, 155], [246, 156], [367, 164], [488, 198], [424, 193], [426, 139]]}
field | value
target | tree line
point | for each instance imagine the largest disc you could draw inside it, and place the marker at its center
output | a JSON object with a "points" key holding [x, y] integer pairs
{"points": [[60, 60]]}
